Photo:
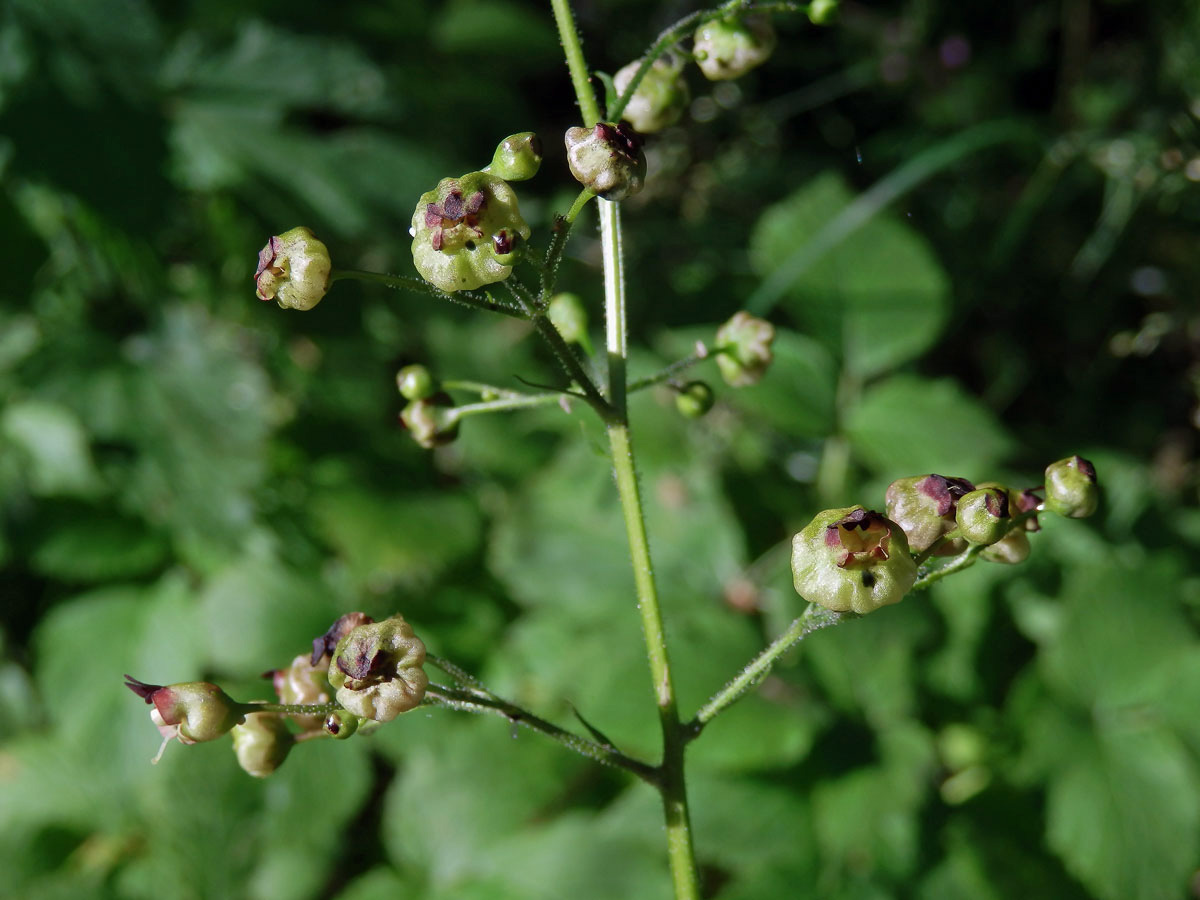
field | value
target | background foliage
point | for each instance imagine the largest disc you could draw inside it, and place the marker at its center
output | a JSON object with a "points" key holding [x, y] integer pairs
{"points": [[976, 228]]}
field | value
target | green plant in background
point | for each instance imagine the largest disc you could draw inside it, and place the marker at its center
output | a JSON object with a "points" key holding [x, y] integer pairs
{"points": [[198, 490]]}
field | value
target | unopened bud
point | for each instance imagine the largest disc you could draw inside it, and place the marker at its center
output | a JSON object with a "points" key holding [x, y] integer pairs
{"points": [[1013, 548], [694, 399], [302, 683], [517, 158], [431, 421], [744, 349], [293, 270], [415, 383], [467, 232], [983, 515], [376, 670], [262, 743], [341, 724], [924, 507], [191, 712], [607, 159], [731, 47], [661, 96], [852, 559], [1071, 487]]}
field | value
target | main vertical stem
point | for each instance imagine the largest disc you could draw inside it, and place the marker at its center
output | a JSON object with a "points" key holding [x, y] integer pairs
{"points": [[672, 785]]}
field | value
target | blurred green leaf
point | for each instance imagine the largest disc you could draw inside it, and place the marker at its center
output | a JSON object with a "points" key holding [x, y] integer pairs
{"points": [[52, 447], [95, 546]]}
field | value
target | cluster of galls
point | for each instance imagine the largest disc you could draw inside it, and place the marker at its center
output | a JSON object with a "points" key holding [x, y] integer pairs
{"points": [[369, 671], [857, 560]]}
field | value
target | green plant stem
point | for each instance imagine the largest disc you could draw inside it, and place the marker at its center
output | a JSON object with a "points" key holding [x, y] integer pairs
{"points": [[477, 701], [668, 373], [577, 207], [478, 387], [289, 709], [421, 286], [504, 404], [964, 560], [573, 48], [812, 619]]}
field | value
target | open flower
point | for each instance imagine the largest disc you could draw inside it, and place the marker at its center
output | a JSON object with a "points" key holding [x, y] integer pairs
{"points": [[852, 560], [744, 349], [190, 713], [607, 159], [376, 670], [293, 270]]}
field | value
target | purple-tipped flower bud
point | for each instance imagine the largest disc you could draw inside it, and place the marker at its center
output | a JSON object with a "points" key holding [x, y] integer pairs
{"points": [[261, 743], [1071, 488], [517, 158], [568, 314], [191, 712], [302, 682], [694, 399], [376, 670], [731, 47], [607, 159], [744, 349], [983, 515], [415, 383], [431, 421], [661, 96], [852, 559], [467, 232], [293, 270], [924, 507], [342, 724], [1011, 549]]}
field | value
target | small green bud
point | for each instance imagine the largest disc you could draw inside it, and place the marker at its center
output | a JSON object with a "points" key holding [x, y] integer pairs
{"points": [[302, 682], [731, 47], [983, 515], [293, 270], [191, 712], [376, 670], [341, 724], [1013, 548], [694, 399], [852, 559], [744, 349], [1071, 489], [924, 505], [431, 421], [262, 743], [517, 158], [567, 313], [467, 232], [822, 12], [607, 159], [661, 96], [415, 383]]}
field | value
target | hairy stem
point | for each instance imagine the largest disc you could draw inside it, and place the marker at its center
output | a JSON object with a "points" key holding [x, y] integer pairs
{"points": [[472, 299]]}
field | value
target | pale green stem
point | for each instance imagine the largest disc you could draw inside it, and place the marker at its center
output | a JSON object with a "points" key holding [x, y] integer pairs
{"points": [[573, 48], [813, 619], [668, 373], [478, 387], [420, 286], [289, 709], [502, 405]]}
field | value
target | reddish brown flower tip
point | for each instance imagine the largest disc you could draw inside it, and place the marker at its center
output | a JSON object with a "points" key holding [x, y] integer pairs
{"points": [[325, 644], [143, 690], [946, 491]]}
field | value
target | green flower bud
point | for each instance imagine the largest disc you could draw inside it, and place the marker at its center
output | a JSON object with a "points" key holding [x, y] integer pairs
{"points": [[822, 12], [293, 270], [568, 315], [342, 724], [467, 232], [983, 515], [431, 421], [415, 383], [744, 349], [376, 670], [731, 47], [1071, 489], [1013, 548], [694, 399], [303, 682], [661, 96], [852, 559], [261, 743], [607, 159], [517, 158], [192, 712], [924, 506]]}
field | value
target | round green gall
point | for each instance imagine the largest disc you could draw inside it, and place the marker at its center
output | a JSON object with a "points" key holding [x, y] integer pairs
{"points": [[852, 560], [661, 96], [983, 515], [568, 314], [744, 349], [261, 743], [822, 12], [517, 158], [924, 506], [431, 421], [607, 159], [415, 383], [730, 47], [694, 399], [1071, 488], [376, 670], [467, 232], [341, 724], [293, 270]]}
